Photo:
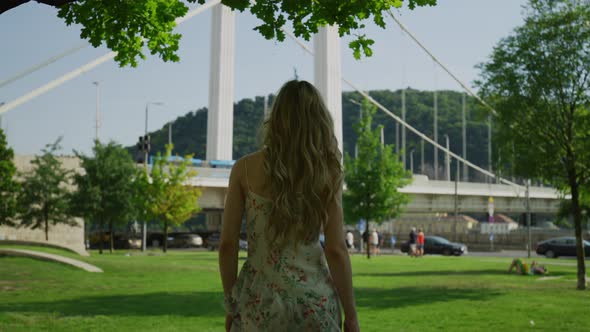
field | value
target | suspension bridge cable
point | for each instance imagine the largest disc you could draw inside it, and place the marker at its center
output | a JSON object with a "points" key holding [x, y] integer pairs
{"points": [[88, 66], [465, 87], [43, 64], [408, 126]]}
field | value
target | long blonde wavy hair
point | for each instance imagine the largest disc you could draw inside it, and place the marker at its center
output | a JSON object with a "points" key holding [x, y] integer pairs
{"points": [[303, 161]]}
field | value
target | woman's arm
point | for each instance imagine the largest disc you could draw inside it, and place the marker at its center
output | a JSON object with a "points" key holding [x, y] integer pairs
{"points": [[230, 232], [339, 261]]}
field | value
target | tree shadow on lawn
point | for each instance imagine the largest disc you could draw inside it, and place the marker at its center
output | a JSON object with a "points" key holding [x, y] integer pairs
{"points": [[410, 296], [151, 304], [443, 273]]}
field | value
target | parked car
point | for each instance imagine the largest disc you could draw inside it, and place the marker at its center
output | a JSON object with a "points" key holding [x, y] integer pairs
{"points": [[243, 244], [438, 245], [212, 242], [185, 241], [120, 241], [561, 246]]}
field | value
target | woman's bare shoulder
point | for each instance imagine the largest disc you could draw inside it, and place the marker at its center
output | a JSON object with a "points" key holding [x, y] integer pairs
{"points": [[255, 156]]}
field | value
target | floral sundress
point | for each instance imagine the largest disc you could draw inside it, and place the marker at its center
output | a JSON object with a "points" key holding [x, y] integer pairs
{"points": [[286, 290]]}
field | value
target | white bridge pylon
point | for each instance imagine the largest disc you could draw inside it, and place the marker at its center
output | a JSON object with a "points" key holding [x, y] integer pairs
{"points": [[327, 77]]}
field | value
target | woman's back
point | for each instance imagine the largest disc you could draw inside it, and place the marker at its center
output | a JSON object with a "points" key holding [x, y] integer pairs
{"points": [[290, 192], [287, 286]]}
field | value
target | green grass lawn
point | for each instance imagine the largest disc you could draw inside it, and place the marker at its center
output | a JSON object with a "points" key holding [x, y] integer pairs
{"points": [[181, 291]]}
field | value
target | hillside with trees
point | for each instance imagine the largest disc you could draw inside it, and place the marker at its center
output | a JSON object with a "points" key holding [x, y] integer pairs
{"points": [[189, 131]]}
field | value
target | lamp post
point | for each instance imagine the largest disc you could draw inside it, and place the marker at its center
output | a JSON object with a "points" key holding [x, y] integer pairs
{"points": [[435, 135], [447, 159], [145, 160], [422, 156], [412, 161], [170, 133], [1, 128], [97, 117], [360, 118]]}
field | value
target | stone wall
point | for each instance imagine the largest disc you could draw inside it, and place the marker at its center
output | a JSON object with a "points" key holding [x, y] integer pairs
{"points": [[71, 237]]}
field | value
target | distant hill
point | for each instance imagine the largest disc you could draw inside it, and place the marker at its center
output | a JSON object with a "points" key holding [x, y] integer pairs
{"points": [[189, 131]]}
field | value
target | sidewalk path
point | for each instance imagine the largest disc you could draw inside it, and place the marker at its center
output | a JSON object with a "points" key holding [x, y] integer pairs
{"points": [[50, 257]]}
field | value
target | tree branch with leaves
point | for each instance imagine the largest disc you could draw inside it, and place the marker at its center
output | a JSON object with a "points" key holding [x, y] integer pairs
{"points": [[126, 27]]}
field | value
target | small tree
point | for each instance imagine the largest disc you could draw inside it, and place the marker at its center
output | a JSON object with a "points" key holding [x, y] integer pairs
{"points": [[374, 177], [105, 190], [43, 198], [538, 79], [167, 198], [8, 187]]}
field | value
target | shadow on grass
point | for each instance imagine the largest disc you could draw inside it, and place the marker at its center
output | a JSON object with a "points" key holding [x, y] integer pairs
{"points": [[152, 304], [410, 296], [445, 273]]}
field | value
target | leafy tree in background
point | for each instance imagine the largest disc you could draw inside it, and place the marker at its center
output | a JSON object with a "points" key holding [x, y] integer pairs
{"points": [[538, 81], [43, 198], [151, 22], [105, 190], [374, 177], [166, 197], [8, 186]]}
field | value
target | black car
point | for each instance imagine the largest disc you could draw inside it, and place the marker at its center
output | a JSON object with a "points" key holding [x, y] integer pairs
{"points": [[438, 245], [561, 246]]}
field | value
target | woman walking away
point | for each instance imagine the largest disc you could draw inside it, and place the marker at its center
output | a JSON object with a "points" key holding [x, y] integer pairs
{"points": [[291, 191]]}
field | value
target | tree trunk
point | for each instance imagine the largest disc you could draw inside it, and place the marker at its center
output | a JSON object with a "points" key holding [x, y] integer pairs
{"points": [[112, 237], [101, 237], [165, 248], [574, 185], [46, 220], [368, 239]]}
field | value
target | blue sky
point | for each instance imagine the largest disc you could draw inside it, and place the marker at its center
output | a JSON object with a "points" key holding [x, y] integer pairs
{"points": [[461, 33]]}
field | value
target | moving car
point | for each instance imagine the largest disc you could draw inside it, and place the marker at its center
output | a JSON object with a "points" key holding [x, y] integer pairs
{"points": [[438, 245], [561, 246]]}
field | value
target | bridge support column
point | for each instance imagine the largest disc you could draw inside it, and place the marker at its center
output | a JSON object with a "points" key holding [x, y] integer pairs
{"points": [[327, 74], [220, 115]]}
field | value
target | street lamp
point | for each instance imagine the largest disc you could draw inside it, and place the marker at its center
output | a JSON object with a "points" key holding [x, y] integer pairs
{"points": [[1, 104], [412, 161], [360, 118], [145, 160], [447, 159], [97, 119]]}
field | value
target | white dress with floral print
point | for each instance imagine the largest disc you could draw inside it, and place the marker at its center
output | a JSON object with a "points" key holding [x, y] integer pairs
{"points": [[286, 290]]}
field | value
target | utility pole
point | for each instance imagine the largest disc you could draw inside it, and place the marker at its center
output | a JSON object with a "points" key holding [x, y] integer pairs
{"points": [[464, 131], [404, 128], [383, 138], [528, 217]]}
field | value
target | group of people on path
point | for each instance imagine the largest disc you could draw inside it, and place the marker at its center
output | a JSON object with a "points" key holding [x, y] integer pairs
{"points": [[416, 243]]}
